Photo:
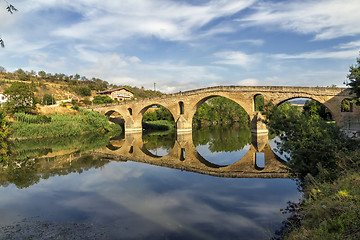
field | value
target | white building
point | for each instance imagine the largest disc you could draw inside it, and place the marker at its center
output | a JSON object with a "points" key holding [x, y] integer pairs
{"points": [[3, 99]]}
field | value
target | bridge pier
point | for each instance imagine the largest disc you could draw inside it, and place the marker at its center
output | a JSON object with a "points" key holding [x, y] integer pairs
{"points": [[183, 125], [258, 125]]}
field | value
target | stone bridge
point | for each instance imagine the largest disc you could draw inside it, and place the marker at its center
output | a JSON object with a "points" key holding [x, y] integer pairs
{"points": [[184, 156], [183, 105]]}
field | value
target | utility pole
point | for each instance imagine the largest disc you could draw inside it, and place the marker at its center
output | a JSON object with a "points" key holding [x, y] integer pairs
{"points": [[154, 86]]}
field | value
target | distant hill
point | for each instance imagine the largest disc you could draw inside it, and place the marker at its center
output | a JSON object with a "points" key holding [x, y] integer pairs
{"points": [[63, 86]]}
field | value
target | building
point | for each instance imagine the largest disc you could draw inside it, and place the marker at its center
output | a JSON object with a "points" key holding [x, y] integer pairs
{"points": [[3, 99], [118, 94]]}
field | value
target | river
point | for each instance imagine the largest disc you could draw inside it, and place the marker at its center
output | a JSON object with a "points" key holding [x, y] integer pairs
{"points": [[149, 186]]}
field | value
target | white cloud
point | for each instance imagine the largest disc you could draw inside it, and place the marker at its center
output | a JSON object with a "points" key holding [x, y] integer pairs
{"points": [[326, 19], [145, 18], [350, 45], [236, 58], [249, 82], [350, 54]]}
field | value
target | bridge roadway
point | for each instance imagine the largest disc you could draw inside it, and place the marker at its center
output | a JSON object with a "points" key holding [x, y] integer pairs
{"points": [[183, 105], [184, 156]]}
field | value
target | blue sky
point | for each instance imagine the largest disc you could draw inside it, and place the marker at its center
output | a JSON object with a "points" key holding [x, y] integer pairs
{"points": [[182, 45]]}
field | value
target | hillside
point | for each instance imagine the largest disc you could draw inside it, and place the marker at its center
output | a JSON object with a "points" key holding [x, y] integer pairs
{"points": [[63, 87]]}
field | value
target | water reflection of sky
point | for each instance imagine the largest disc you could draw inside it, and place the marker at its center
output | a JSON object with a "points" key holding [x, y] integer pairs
{"points": [[134, 200], [274, 146], [223, 157]]}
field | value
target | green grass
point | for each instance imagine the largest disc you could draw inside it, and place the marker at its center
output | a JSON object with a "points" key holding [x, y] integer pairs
{"points": [[331, 210], [84, 121], [158, 125]]}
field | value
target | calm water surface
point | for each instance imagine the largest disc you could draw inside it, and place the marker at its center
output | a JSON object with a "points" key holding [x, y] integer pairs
{"points": [[68, 194]]}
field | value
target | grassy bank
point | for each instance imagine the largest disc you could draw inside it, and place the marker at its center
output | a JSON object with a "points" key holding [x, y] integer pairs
{"points": [[54, 125], [331, 210], [158, 125]]}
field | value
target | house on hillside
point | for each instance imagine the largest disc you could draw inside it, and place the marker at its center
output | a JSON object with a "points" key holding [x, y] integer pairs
{"points": [[118, 94], [3, 99]]}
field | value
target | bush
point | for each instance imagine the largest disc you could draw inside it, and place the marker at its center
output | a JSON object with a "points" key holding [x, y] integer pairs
{"points": [[102, 99], [48, 99], [61, 124]]}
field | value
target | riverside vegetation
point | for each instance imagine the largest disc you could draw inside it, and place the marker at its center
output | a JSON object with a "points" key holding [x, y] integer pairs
{"points": [[327, 165]]}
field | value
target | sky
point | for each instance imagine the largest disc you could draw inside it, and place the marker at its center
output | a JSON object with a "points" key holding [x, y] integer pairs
{"points": [[185, 44]]}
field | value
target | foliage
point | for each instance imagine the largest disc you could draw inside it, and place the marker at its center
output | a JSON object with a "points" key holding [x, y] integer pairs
{"points": [[65, 125], [4, 133], [155, 140], [346, 105], [220, 139], [308, 139], [220, 110], [100, 99], [83, 91], [313, 107], [331, 211], [48, 99], [161, 113], [159, 125], [354, 80], [259, 102], [28, 118], [20, 97]]}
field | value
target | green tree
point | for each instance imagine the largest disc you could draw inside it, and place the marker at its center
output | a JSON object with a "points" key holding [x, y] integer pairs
{"points": [[354, 80], [311, 142], [48, 99], [102, 99], [42, 74], [346, 105], [84, 91], [259, 102], [20, 97], [4, 133], [313, 107], [220, 110], [23, 76]]}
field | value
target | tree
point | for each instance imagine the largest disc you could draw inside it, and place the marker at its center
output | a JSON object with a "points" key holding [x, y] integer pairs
{"points": [[42, 74], [102, 99], [11, 9], [20, 97], [354, 80], [48, 99], [311, 142], [4, 133]]}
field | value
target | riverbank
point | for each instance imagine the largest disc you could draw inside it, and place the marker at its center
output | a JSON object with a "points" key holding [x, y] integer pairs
{"points": [[330, 210], [162, 125], [56, 125]]}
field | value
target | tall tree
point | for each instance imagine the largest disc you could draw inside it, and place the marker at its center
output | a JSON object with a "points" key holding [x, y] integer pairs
{"points": [[354, 80]]}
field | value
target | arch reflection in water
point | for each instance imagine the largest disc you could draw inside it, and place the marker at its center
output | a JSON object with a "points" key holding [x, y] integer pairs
{"points": [[184, 156], [158, 143], [222, 146]]}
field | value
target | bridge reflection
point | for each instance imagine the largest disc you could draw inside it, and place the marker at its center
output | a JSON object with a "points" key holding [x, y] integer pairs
{"points": [[184, 156]]}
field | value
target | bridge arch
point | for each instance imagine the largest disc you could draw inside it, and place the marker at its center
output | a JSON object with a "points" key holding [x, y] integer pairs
{"points": [[144, 109], [199, 102], [329, 107], [116, 117], [258, 100]]}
